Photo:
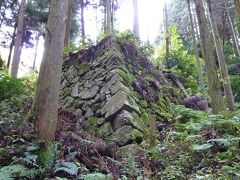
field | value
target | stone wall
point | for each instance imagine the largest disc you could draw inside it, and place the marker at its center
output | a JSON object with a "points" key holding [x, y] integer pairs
{"points": [[113, 87]]}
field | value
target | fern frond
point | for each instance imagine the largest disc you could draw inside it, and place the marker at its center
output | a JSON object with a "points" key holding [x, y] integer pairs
{"points": [[19, 171], [98, 176], [68, 167]]}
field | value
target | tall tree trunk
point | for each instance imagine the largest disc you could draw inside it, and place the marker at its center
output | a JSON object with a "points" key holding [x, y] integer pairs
{"points": [[83, 22], [135, 18], [68, 26], [210, 64], [235, 39], [112, 16], [2, 17], [36, 51], [200, 74], [237, 5], [108, 25], [11, 46], [196, 26], [221, 59], [105, 17], [167, 31], [47, 93], [18, 41]]}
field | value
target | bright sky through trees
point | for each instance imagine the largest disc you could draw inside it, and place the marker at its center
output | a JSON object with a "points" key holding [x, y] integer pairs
{"points": [[150, 17], [150, 20]]}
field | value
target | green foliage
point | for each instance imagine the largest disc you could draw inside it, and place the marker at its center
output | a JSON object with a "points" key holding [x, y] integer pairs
{"points": [[179, 61], [90, 125], [143, 104], [2, 64], [183, 114], [71, 48], [16, 95], [127, 77], [46, 155], [137, 135], [235, 82], [12, 89], [128, 37], [99, 176], [130, 167], [172, 172], [69, 168], [18, 171], [202, 147], [38, 155], [10, 86]]}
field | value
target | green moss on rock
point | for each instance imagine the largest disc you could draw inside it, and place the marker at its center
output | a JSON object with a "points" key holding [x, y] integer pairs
{"points": [[90, 125], [141, 122], [136, 135], [127, 77], [143, 104], [83, 68]]}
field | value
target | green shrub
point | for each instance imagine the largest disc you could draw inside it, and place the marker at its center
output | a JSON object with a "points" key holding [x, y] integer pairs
{"points": [[235, 81], [10, 86]]}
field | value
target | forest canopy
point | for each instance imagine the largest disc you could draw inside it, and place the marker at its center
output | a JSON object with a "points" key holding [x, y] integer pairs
{"points": [[119, 89]]}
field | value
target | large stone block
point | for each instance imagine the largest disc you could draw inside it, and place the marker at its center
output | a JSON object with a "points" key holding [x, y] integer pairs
{"points": [[120, 101]]}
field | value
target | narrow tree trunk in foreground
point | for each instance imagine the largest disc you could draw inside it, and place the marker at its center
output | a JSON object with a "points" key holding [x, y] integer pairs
{"points": [[11, 46], [68, 26], [18, 41], [210, 64], [48, 87], [36, 52], [221, 59], [200, 74], [135, 18]]}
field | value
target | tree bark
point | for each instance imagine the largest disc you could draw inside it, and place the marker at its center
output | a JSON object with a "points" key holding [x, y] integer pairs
{"points": [[135, 18], [221, 59], [68, 26], [105, 17], [112, 16], [11, 46], [46, 99], [167, 31], [210, 64], [235, 39], [200, 74], [83, 22], [237, 5], [108, 25], [36, 52], [18, 41]]}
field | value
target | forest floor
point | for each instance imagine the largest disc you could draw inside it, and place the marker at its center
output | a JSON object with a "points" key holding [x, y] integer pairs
{"points": [[191, 145]]}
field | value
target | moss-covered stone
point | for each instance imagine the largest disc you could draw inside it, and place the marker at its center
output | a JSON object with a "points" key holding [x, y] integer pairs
{"points": [[127, 77], [143, 104], [105, 131], [142, 122], [83, 68], [90, 125], [126, 80]]}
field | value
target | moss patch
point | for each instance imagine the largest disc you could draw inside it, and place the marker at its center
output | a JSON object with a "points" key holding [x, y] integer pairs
{"points": [[136, 135], [127, 77], [90, 125], [83, 68]]}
